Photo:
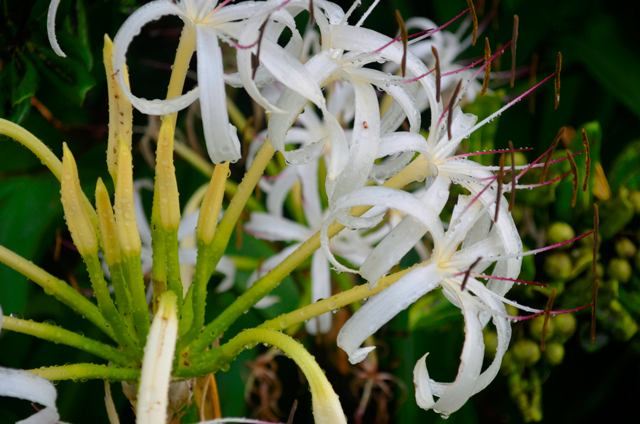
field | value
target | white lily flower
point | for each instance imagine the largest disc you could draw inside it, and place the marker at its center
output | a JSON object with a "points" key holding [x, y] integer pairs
{"points": [[354, 246], [209, 22], [468, 239], [23, 385]]}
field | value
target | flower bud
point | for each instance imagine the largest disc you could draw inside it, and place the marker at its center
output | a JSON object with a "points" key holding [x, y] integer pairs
{"points": [[619, 269], [526, 352], [554, 353], [520, 159], [536, 326], [126, 223], [558, 266], [560, 232], [78, 221], [564, 326], [212, 203], [625, 248], [168, 197], [107, 225]]}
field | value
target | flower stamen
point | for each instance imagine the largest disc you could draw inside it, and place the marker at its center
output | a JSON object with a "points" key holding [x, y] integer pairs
{"points": [[404, 37], [574, 171], [438, 74], [556, 81], [500, 181], [514, 40], [474, 18], [512, 199], [468, 272], [587, 161], [487, 69], [547, 312], [547, 161], [452, 103]]}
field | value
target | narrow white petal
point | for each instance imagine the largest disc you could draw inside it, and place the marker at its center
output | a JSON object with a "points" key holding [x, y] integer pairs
{"points": [[221, 137], [280, 190], [51, 27], [382, 307], [141, 218], [22, 385], [310, 193], [273, 228], [188, 225], [422, 383], [226, 267], [320, 289]]}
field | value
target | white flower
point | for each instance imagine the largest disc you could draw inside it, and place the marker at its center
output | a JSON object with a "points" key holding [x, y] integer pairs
{"points": [[469, 238], [354, 246], [22, 385], [208, 22]]}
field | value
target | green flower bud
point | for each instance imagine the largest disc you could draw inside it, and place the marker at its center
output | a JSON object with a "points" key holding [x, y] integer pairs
{"points": [[564, 326], [625, 248], [526, 352], [553, 353], [519, 158], [619, 269], [535, 328], [634, 199], [600, 270], [560, 232], [490, 344], [558, 266]]}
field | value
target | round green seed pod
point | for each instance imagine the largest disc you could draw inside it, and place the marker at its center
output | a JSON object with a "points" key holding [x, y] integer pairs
{"points": [[535, 327], [625, 248], [519, 159], [619, 269], [558, 266], [560, 232], [564, 326], [553, 353], [526, 352]]}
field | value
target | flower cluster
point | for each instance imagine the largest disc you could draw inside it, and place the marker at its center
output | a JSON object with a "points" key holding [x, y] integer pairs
{"points": [[320, 89]]}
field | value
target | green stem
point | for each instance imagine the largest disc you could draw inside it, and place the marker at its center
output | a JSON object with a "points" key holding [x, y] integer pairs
{"points": [[123, 297], [84, 372], [174, 282], [57, 288], [61, 336], [105, 303], [135, 280]]}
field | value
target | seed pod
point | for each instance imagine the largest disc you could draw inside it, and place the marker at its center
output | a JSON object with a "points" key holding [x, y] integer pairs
{"points": [[620, 269], [558, 266], [560, 232], [554, 354], [526, 352]]}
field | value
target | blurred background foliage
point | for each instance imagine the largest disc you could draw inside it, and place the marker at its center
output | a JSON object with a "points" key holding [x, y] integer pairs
{"points": [[65, 100]]}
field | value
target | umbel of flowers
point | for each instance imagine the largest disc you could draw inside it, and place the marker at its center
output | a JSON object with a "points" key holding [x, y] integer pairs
{"points": [[330, 74]]}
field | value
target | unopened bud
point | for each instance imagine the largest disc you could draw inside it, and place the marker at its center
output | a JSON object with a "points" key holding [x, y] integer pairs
{"points": [[179, 395], [107, 225], [564, 326], [168, 197], [526, 352], [558, 266], [76, 215], [560, 232], [554, 353], [126, 223], [619, 269], [625, 247], [212, 203]]}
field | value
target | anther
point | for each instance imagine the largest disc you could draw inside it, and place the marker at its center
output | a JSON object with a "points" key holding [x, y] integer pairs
{"points": [[452, 103], [514, 39], [311, 17], [468, 272], [556, 81], [587, 160], [574, 171], [438, 74], [500, 180], [547, 313], [593, 311], [512, 199], [474, 18], [404, 36], [596, 224], [487, 69], [550, 154]]}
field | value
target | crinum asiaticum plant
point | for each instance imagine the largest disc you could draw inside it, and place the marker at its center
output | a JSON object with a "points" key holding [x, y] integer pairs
{"points": [[162, 340]]}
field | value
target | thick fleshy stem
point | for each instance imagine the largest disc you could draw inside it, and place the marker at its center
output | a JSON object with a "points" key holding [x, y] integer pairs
{"points": [[82, 372], [56, 288], [186, 48], [59, 335]]}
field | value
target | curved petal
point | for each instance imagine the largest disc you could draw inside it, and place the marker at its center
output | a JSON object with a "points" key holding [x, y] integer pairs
{"points": [[51, 27], [188, 225], [131, 27], [273, 228], [226, 267], [221, 137], [382, 307], [310, 193], [22, 385], [280, 190]]}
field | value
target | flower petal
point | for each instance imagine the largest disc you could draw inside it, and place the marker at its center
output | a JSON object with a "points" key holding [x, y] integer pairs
{"points": [[274, 228], [320, 289], [22, 385], [382, 307], [51, 27], [226, 267]]}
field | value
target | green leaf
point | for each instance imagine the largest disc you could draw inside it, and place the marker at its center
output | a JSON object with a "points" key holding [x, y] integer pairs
{"points": [[30, 209], [603, 53], [432, 312], [615, 215], [68, 77], [26, 88], [626, 168]]}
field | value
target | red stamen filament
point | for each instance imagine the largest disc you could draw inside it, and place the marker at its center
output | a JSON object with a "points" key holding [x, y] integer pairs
{"points": [[547, 312], [491, 277]]}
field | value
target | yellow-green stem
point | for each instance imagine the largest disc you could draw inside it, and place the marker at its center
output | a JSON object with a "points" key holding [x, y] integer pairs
{"points": [[83, 372]]}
